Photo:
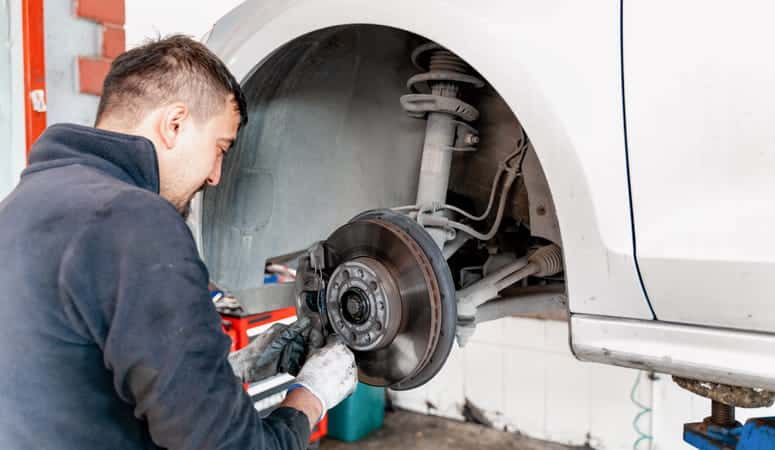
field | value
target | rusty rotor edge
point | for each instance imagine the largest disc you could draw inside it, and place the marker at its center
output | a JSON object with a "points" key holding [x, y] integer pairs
{"points": [[430, 281]]}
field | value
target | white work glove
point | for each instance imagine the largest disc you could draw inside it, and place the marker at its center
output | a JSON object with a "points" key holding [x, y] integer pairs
{"points": [[329, 374]]}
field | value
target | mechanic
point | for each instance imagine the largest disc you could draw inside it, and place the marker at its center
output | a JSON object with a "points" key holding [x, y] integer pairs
{"points": [[109, 337]]}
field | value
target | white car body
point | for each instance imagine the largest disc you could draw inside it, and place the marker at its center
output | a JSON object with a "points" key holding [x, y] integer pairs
{"points": [[658, 165]]}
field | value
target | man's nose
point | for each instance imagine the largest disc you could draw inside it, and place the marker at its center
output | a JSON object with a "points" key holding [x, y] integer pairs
{"points": [[215, 175]]}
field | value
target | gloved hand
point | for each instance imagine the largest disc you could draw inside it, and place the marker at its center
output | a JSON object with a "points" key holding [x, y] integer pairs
{"points": [[279, 349], [329, 374]]}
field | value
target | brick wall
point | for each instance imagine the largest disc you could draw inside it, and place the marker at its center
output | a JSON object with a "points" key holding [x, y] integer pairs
{"points": [[111, 17]]}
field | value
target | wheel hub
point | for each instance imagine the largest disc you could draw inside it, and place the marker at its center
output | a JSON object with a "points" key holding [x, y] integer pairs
{"points": [[363, 304], [391, 299], [356, 307]]}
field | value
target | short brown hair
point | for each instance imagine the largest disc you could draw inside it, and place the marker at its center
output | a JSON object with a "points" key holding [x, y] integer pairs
{"points": [[174, 68]]}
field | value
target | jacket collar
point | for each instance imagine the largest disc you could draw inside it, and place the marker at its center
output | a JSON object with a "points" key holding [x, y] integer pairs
{"points": [[130, 158]]}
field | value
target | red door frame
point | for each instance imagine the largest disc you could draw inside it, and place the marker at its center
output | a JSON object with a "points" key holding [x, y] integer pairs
{"points": [[33, 39]]}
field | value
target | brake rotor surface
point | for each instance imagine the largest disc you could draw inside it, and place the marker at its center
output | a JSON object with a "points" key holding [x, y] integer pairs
{"points": [[391, 298]]}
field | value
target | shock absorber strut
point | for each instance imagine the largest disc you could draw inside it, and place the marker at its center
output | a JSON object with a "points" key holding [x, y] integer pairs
{"points": [[436, 97]]}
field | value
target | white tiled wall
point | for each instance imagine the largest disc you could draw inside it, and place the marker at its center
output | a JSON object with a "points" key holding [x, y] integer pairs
{"points": [[523, 369]]}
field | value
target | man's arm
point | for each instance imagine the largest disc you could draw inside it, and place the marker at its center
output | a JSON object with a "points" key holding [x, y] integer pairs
{"points": [[303, 400], [133, 282]]}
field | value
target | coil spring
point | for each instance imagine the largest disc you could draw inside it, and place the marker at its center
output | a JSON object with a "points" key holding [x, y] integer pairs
{"points": [[437, 89], [446, 61]]}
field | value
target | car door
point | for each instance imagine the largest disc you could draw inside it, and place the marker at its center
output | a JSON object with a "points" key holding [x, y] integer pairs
{"points": [[699, 89]]}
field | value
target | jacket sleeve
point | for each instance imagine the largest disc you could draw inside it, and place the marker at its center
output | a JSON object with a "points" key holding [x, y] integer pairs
{"points": [[132, 281]]}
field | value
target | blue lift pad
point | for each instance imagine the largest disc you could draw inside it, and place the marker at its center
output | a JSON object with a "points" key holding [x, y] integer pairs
{"points": [[756, 434]]}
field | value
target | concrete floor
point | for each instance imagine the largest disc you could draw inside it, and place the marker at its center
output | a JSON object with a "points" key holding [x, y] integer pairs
{"points": [[404, 430]]}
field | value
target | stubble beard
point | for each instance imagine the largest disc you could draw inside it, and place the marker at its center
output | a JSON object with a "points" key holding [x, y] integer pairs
{"points": [[185, 208]]}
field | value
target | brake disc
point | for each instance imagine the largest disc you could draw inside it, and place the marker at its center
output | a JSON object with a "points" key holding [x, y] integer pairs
{"points": [[391, 298]]}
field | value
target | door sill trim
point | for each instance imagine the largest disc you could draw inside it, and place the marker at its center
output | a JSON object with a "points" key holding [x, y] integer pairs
{"points": [[739, 358]]}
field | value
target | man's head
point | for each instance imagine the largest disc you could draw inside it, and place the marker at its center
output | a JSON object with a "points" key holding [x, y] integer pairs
{"points": [[177, 93]]}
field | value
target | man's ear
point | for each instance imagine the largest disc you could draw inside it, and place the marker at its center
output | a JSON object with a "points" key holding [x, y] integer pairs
{"points": [[171, 121]]}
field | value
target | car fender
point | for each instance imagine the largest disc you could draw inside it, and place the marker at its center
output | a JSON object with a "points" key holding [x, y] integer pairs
{"points": [[558, 68]]}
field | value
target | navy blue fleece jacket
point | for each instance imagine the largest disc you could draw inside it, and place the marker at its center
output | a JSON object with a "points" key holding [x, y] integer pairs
{"points": [[108, 336]]}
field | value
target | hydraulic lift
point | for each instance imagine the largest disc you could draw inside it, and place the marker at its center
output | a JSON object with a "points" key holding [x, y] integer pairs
{"points": [[720, 431]]}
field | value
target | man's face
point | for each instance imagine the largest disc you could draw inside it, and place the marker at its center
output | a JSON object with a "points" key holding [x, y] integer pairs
{"points": [[196, 158]]}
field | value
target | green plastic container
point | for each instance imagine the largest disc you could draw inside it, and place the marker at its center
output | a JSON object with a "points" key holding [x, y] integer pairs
{"points": [[358, 415]]}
